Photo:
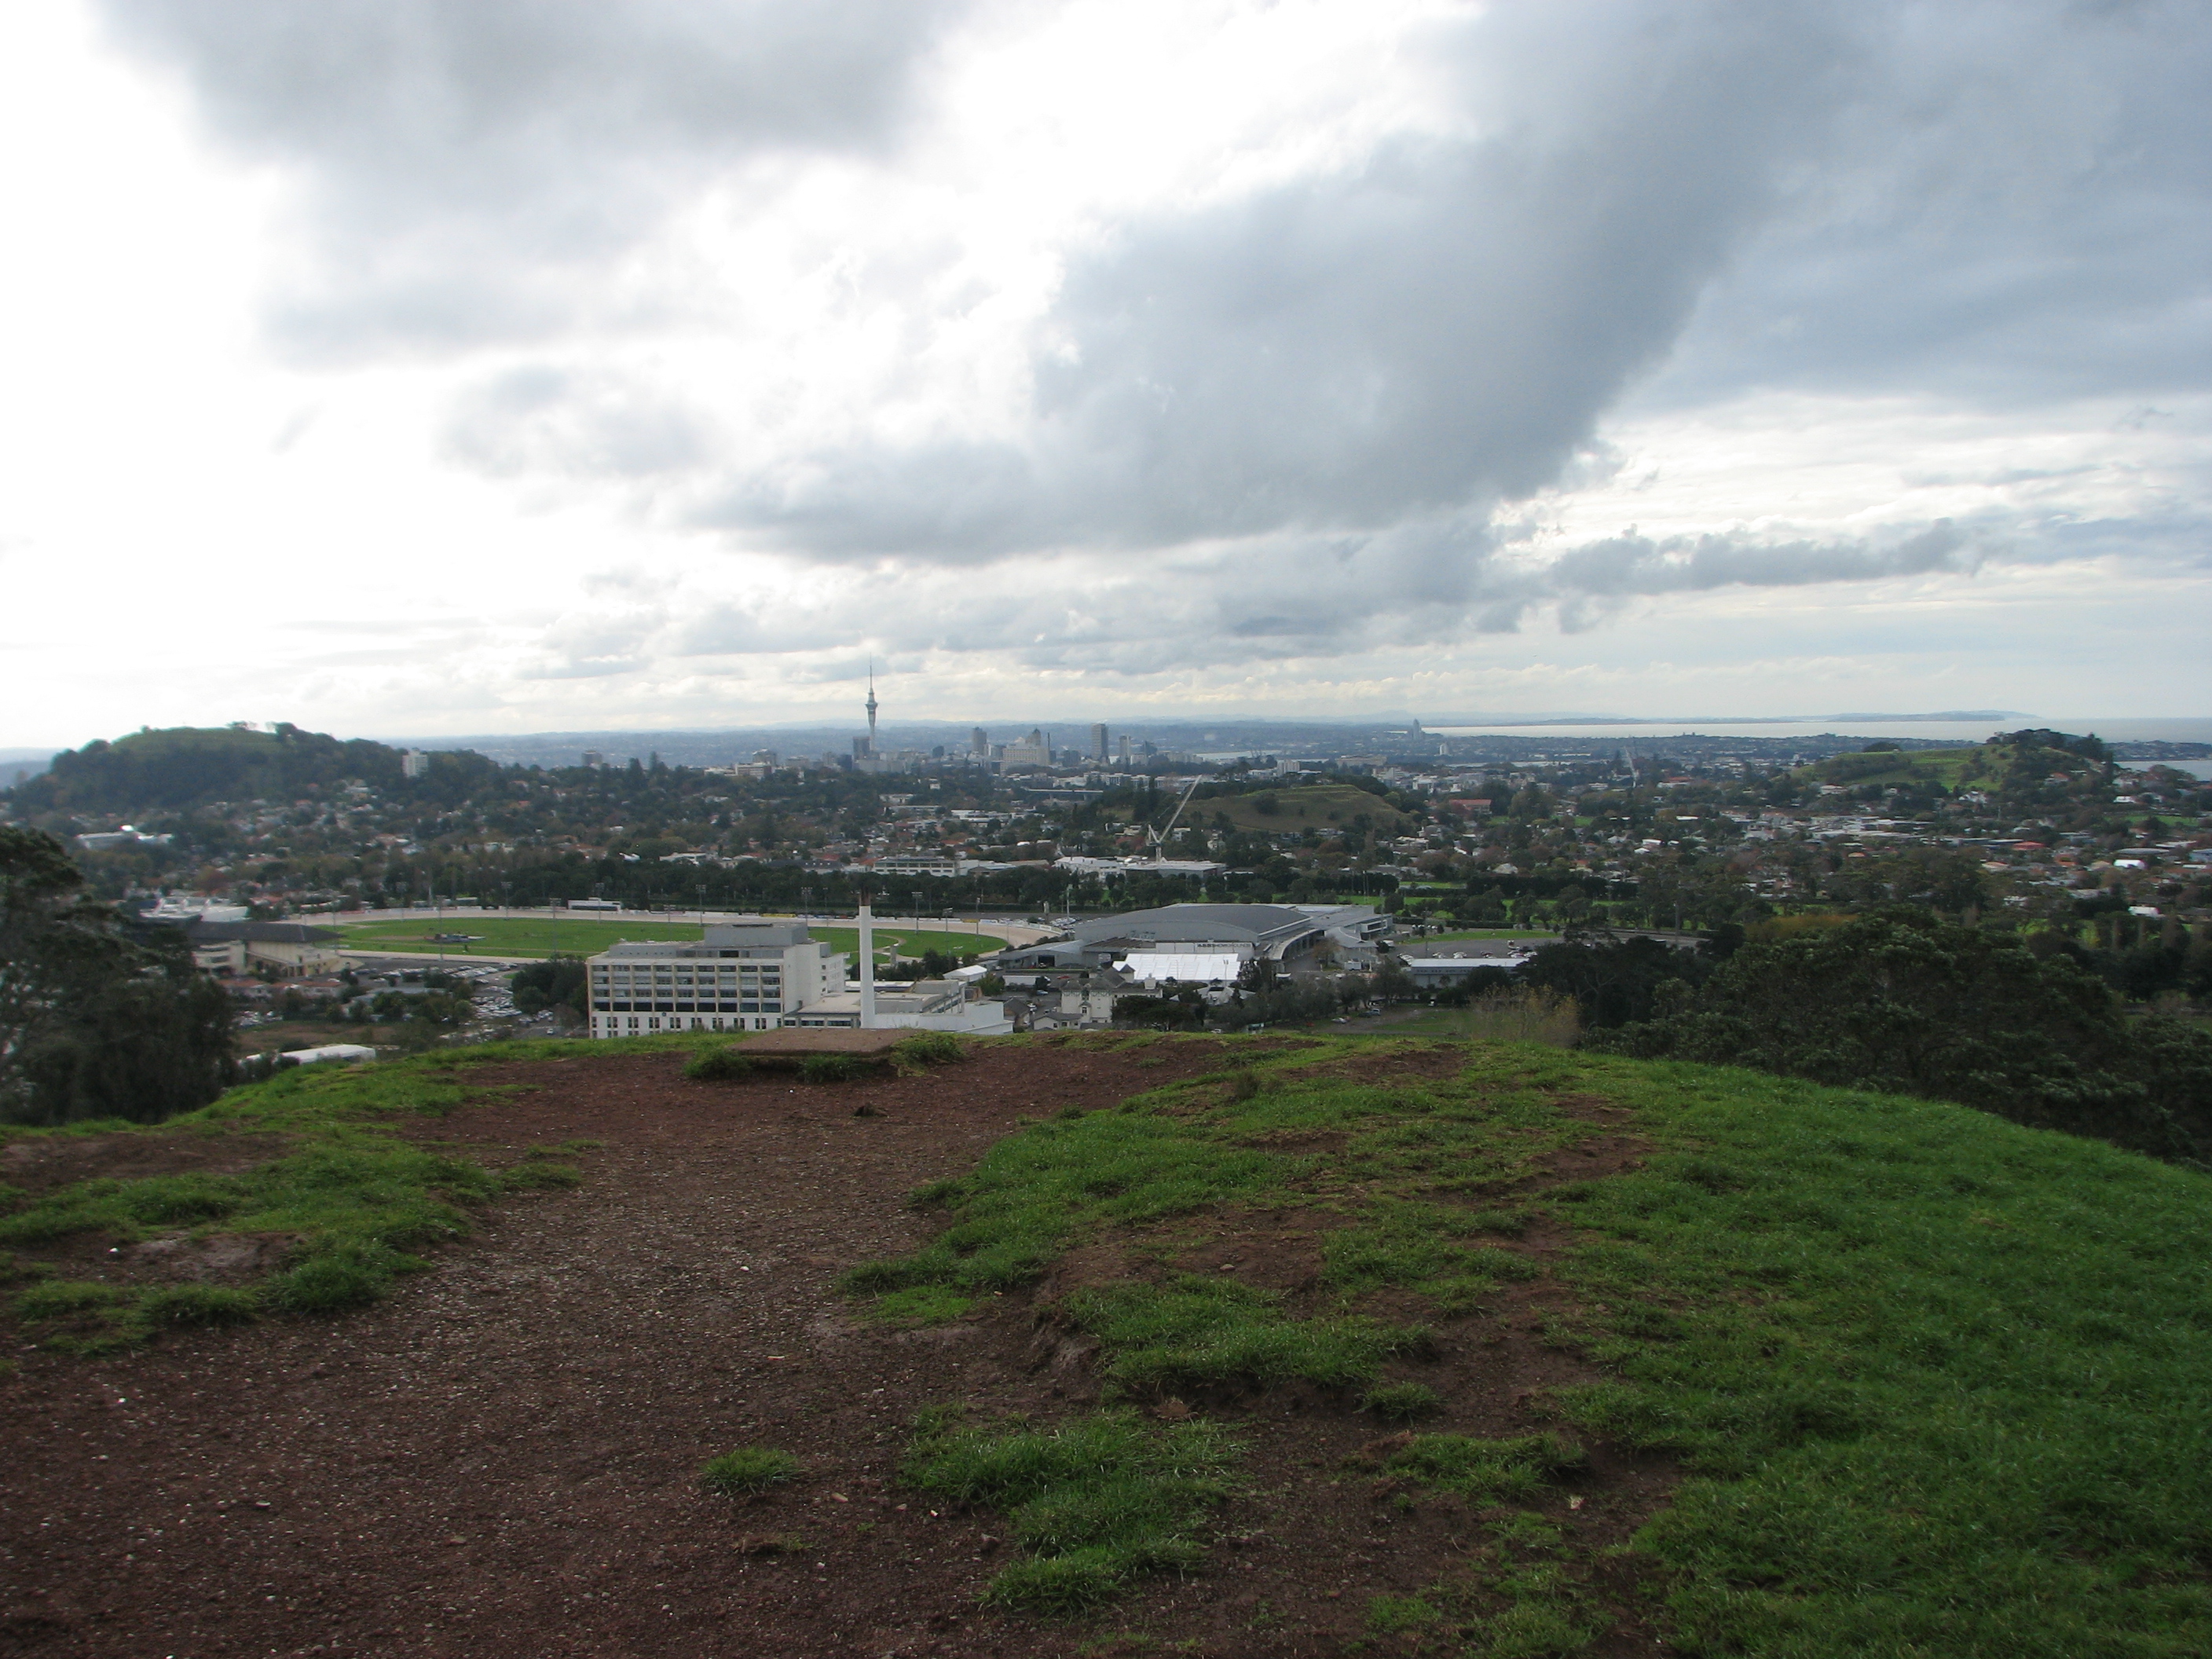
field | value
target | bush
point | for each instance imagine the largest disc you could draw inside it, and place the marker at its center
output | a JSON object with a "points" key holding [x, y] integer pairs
{"points": [[747, 1470], [831, 1068], [728, 1064]]}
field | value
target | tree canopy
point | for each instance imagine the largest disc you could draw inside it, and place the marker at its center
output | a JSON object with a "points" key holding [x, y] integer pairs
{"points": [[1902, 1001], [97, 1020]]}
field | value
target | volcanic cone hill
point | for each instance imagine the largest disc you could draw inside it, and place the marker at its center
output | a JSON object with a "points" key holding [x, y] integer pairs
{"points": [[1106, 1344]]}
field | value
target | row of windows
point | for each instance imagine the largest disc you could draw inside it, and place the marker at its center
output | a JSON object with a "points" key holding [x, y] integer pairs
{"points": [[733, 1006], [635, 1024]]}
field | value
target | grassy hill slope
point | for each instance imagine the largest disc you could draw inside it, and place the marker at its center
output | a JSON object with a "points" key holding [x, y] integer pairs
{"points": [[1926, 1382]]}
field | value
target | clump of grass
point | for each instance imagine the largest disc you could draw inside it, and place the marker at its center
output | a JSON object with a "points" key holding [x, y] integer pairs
{"points": [[339, 1277], [914, 1054], [1394, 1615], [1096, 1502], [86, 1317], [832, 1068], [538, 1174], [919, 1305], [62, 1298], [1402, 1402], [746, 1471], [1491, 1470], [726, 1063], [176, 1306], [1193, 1333]]}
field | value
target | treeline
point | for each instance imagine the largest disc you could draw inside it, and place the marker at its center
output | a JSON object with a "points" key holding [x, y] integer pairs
{"points": [[1904, 1001]]}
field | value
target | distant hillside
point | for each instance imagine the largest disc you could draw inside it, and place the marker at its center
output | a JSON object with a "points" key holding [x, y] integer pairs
{"points": [[188, 766], [1308, 806]]}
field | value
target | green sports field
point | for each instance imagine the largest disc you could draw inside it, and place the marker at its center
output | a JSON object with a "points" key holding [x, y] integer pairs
{"points": [[536, 936]]}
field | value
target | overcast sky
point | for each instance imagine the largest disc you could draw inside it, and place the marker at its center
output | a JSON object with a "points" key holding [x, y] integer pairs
{"points": [[450, 366]]}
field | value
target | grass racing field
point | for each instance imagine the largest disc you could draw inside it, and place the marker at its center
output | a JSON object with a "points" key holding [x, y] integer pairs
{"points": [[535, 936]]}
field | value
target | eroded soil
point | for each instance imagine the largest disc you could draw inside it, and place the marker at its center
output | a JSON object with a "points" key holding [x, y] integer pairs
{"points": [[501, 1458]]}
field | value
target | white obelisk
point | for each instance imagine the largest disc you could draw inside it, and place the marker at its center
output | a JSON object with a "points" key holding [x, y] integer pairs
{"points": [[867, 968]]}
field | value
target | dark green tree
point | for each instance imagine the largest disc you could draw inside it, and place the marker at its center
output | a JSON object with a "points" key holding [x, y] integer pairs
{"points": [[556, 982], [97, 1020], [1901, 1001]]}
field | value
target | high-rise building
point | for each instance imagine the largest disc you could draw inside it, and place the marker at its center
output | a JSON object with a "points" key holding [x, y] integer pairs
{"points": [[979, 743], [594, 757], [1098, 742], [414, 763], [751, 974], [1125, 750]]}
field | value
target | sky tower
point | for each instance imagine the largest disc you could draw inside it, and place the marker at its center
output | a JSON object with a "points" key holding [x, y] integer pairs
{"points": [[871, 702]]}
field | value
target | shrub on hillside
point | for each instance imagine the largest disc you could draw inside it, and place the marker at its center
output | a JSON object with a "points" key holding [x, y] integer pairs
{"points": [[911, 1054], [728, 1064], [1900, 1000]]}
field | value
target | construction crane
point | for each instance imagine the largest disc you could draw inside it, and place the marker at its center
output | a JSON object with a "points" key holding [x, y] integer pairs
{"points": [[1159, 837]]}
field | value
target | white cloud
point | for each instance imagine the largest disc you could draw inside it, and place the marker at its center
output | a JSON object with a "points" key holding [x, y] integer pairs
{"points": [[651, 364]]}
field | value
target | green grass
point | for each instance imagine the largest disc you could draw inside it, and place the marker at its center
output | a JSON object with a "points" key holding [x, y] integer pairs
{"points": [[1196, 1335], [1936, 1380], [1495, 1471], [1402, 1402], [913, 1055], [1094, 1503], [538, 936], [85, 1318], [1412, 947], [361, 1201], [747, 1470], [922, 1304], [725, 1064]]}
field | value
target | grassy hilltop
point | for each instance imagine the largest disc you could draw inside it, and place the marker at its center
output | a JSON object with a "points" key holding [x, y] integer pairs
{"points": [[1896, 1376]]}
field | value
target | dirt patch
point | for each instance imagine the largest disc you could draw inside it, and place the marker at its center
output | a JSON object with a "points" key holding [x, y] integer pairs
{"points": [[509, 1444], [38, 1164]]}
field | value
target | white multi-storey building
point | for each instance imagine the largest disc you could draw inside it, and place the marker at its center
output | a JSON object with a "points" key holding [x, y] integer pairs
{"points": [[751, 975]]}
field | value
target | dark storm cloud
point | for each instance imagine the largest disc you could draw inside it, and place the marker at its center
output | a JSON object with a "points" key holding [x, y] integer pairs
{"points": [[1443, 324], [2019, 209], [464, 161]]}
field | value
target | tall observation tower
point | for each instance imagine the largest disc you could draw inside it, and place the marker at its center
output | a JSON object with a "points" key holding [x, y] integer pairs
{"points": [[871, 703]]}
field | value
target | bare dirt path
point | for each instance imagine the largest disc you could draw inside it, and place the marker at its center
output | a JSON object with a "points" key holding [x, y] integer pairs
{"points": [[503, 1456]]}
